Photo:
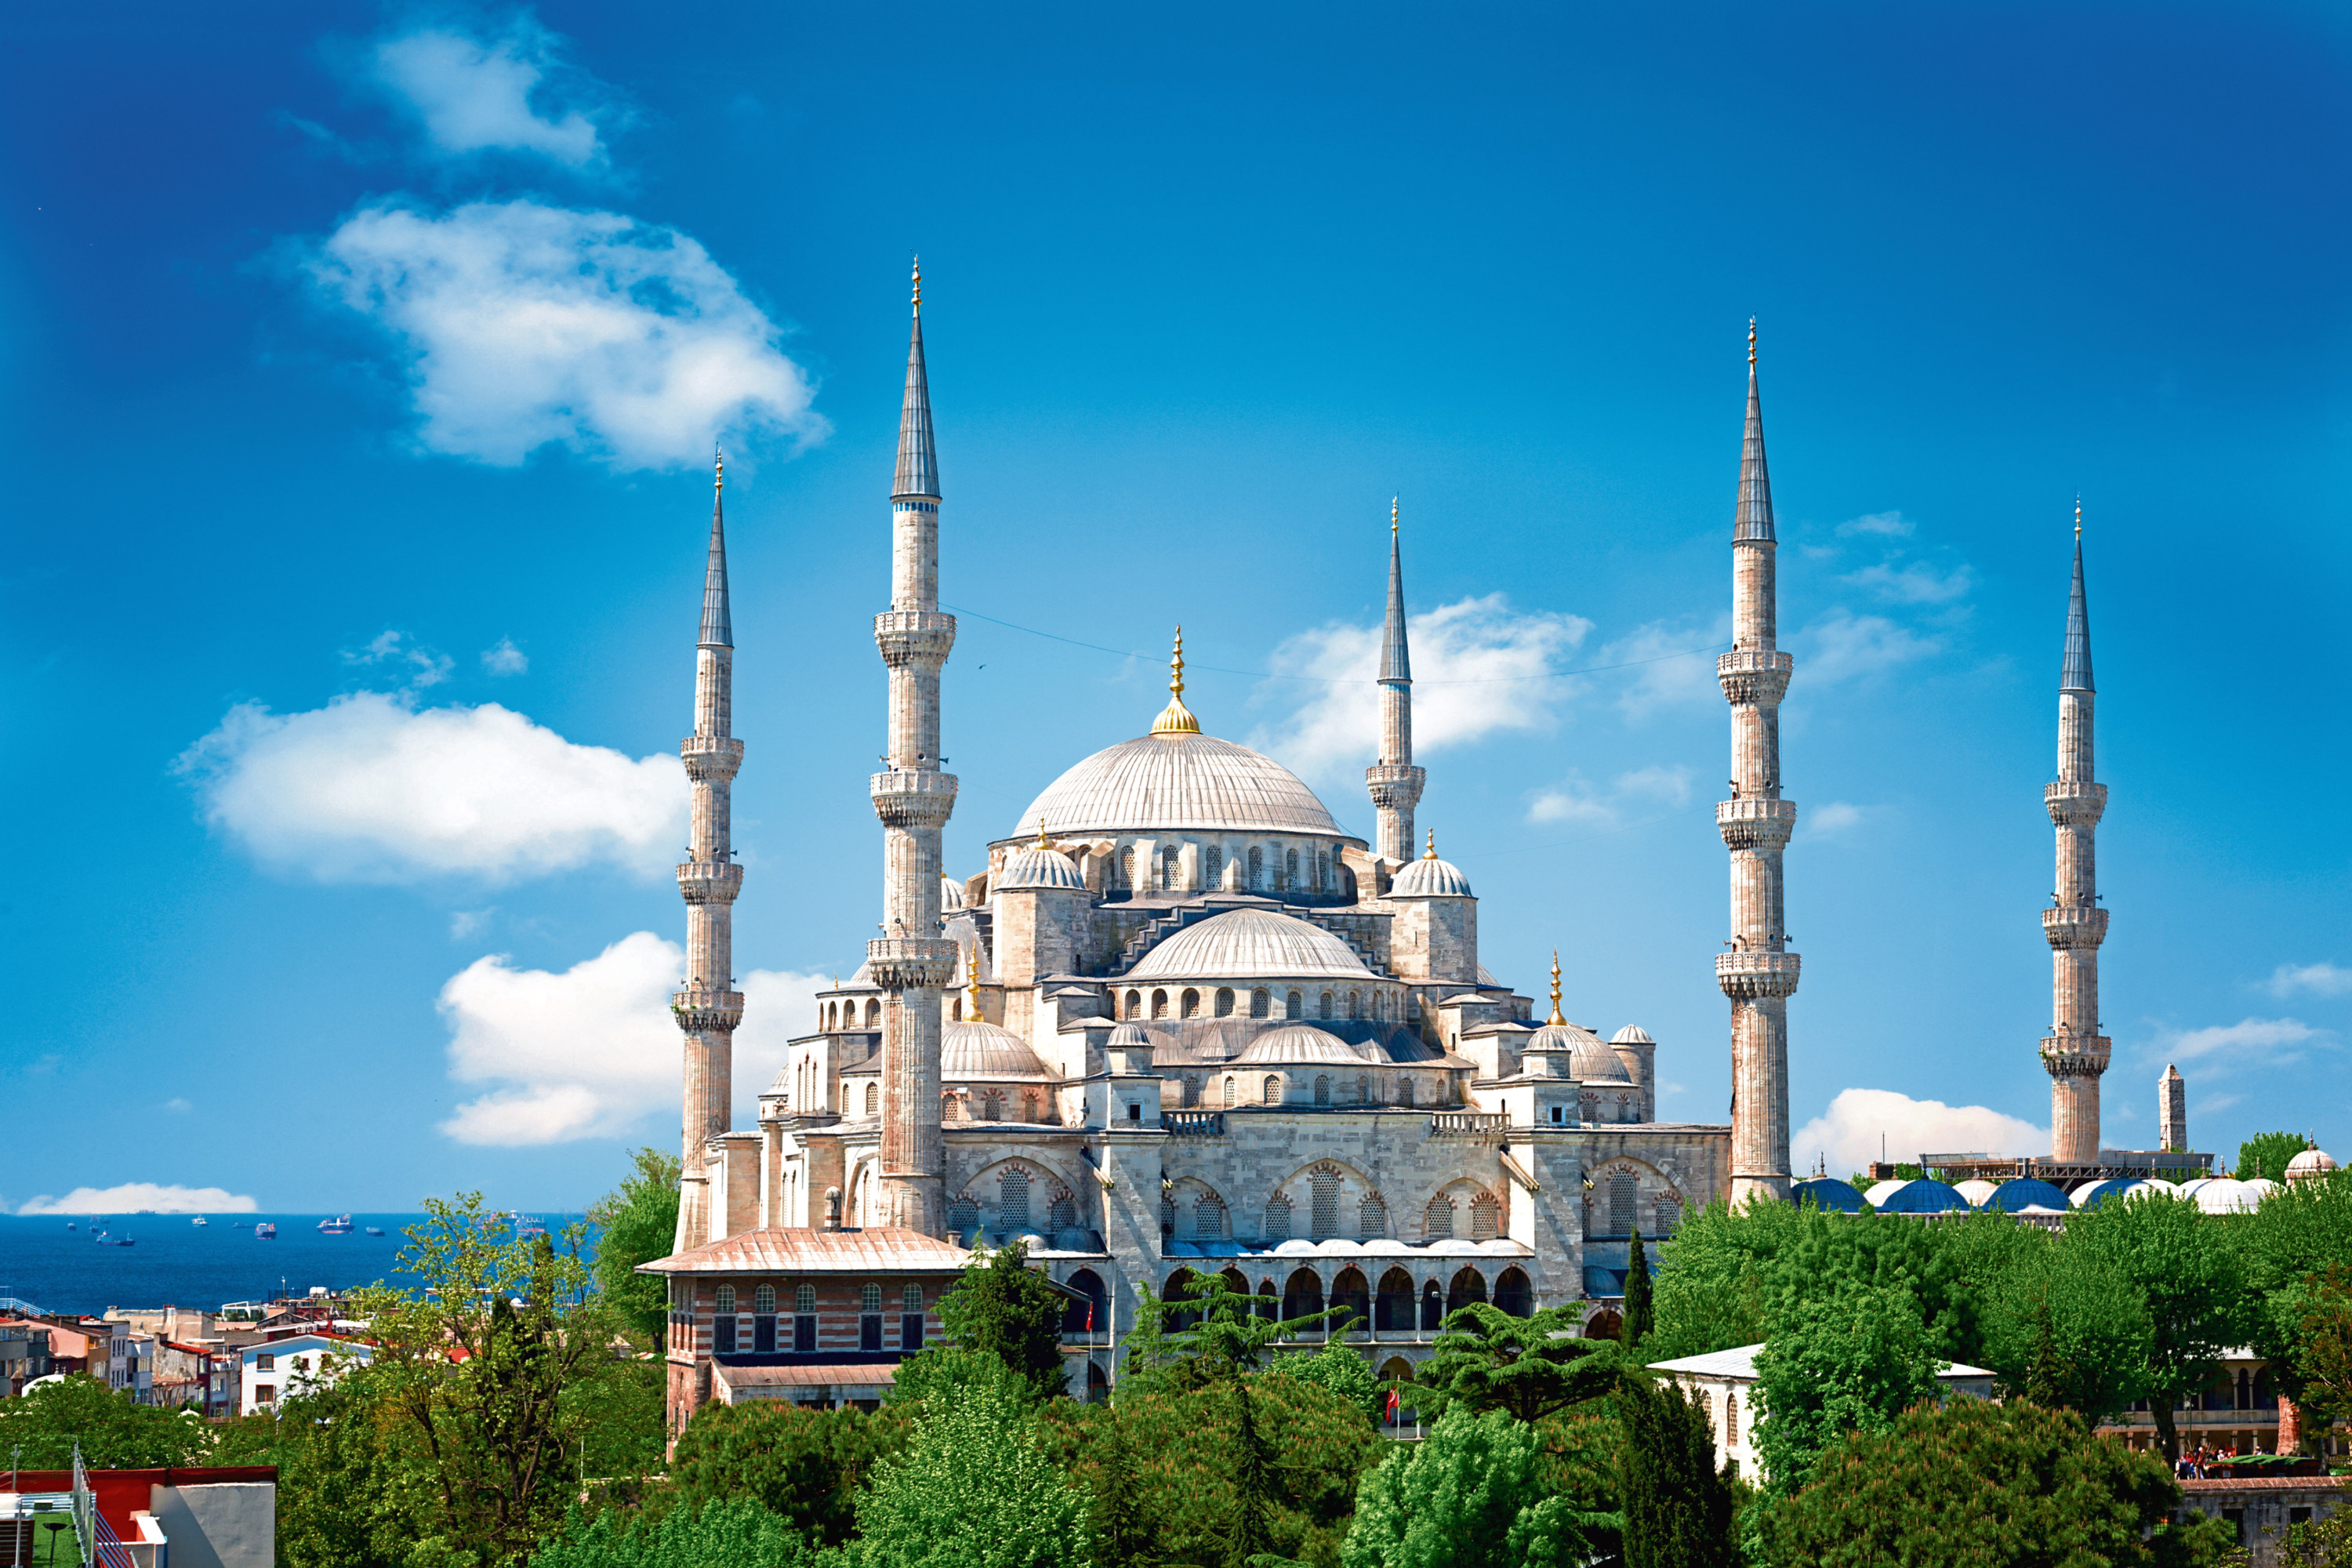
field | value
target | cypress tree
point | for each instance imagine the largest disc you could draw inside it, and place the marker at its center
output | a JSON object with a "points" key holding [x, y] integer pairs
{"points": [[1678, 1507], [1639, 1317], [1252, 1532]]}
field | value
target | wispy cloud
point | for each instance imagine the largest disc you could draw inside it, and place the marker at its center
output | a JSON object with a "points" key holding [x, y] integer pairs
{"points": [[131, 1197], [503, 657], [472, 92], [2275, 1040], [2310, 979], [1848, 1132], [1832, 819], [1882, 524], [593, 1051], [422, 666], [1842, 645], [1479, 668], [1913, 582], [519, 325], [1665, 664], [372, 789], [1573, 800]]}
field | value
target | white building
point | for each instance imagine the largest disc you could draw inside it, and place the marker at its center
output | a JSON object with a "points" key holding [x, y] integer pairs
{"points": [[1725, 1382], [271, 1371]]}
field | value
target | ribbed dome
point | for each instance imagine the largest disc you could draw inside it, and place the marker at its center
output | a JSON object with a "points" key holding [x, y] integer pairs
{"points": [[985, 1051], [1430, 878], [1129, 1036], [1303, 1044], [1588, 1060], [1632, 1034], [950, 892], [1252, 944], [1039, 865], [2308, 1164], [1178, 781]]}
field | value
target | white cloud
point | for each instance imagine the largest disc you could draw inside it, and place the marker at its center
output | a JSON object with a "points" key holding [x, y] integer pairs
{"points": [[503, 657], [1848, 1132], [473, 94], [1831, 819], [372, 789], [1664, 670], [1570, 800], [2274, 1037], [1913, 583], [1574, 800], [2318, 979], [466, 924], [132, 1196], [1479, 666], [520, 325], [176, 1104], [423, 666], [1888, 524], [1842, 645], [594, 1051]]}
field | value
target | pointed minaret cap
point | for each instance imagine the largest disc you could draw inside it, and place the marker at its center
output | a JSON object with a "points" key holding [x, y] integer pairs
{"points": [[1396, 660], [1555, 1017], [2075, 674], [1176, 719], [1753, 519], [717, 625], [919, 462]]}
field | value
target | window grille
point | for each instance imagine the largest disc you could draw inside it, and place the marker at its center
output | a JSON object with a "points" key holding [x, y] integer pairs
{"points": [[1208, 1216], [1229, 1090], [869, 1299], [1261, 1002], [1062, 1213], [1322, 1089], [963, 1218], [1277, 1218], [1273, 1088], [1624, 1190], [726, 1299], [1323, 1210], [1485, 1217], [1438, 1224], [1012, 1199], [804, 1299], [1372, 1218], [763, 1299], [1212, 866]]}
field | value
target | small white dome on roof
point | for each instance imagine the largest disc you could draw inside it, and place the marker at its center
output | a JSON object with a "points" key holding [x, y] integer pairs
{"points": [[1128, 1035], [1038, 866], [1303, 1043], [1588, 1060], [1975, 1192], [2309, 1165], [1252, 944], [1430, 878], [2222, 1195], [950, 893], [984, 1051], [1632, 1034]]}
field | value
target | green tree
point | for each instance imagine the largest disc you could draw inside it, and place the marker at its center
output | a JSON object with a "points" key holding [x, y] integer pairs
{"points": [[1640, 1322], [2265, 1155], [2293, 1236], [635, 1223], [2322, 1351], [1222, 1335], [1678, 1507], [1714, 1286], [1001, 1305], [1344, 1372], [2188, 1271], [116, 1432], [1974, 1485], [2067, 1328], [336, 1475], [935, 1368], [973, 1489], [1850, 1363], [720, 1535], [1485, 1359], [805, 1466], [1470, 1494]]}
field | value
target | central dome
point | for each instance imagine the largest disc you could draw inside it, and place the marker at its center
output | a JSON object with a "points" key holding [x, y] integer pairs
{"points": [[1178, 781], [1252, 944]]}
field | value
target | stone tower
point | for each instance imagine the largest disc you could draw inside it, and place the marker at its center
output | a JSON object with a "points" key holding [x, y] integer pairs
{"points": [[709, 1007], [2075, 1051], [2171, 1112], [910, 961], [1395, 783], [1760, 973]]}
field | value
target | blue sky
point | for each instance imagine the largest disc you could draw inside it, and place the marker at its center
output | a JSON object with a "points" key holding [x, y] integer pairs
{"points": [[360, 365]]}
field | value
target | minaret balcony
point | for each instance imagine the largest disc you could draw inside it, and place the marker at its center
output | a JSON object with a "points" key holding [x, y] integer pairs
{"points": [[1395, 786], [2074, 803], [2075, 1056], [706, 1009], [1750, 973], [711, 758], [1755, 675], [914, 637], [913, 798], [2074, 925], [1755, 822], [709, 881], [910, 963]]}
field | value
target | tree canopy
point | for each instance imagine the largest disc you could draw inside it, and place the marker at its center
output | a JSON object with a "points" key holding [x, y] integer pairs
{"points": [[1003, 1306], [2065, 1327], [1531, 1367], [2188, 1269], [636, 1222], [1852, 1362], [1678, 1507], [2265, 1155], [1470, 1494], [973, 1489], [115, 1431]]}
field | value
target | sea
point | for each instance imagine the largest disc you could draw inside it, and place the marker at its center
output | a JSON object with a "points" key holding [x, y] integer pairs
{"points": [[175, 1263]]}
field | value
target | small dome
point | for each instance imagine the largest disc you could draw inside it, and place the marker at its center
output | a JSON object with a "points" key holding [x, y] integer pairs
{"points": [[1039, 865], [1588, 1060], [1129, 1036], [984, 1051], [950, 894], [1252, 944], [1632, 1034], [2308, 1166], [2221, 1194], [1430, 878], [1302, 1044], [2021, 1192], [1975, 1192], [1922, 1196], [1827, 1195], [2091, 1192]]}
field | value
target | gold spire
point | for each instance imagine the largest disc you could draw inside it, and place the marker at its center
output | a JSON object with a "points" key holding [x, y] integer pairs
{"points": [[1751, 343], [1176, 719], [919, 285], [1431, 853], [971, 986], [1555, 1017]]}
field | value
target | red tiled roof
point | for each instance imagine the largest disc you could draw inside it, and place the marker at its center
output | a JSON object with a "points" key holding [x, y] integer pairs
{"points": [[781, 1250]]}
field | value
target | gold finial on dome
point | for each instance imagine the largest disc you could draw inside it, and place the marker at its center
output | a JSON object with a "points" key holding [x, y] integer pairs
{"points": [[1431, 853], [1555, 1017], [1042, 842], [972, 985], [919, 285], [1176, 719], [1751, 343]]}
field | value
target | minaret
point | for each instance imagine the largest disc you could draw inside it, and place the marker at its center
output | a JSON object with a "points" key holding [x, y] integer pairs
{"points": [[2075, 1051], [1760, 973], [709, 1007], [1395, 783], [910, 961], [2171, 1112]]}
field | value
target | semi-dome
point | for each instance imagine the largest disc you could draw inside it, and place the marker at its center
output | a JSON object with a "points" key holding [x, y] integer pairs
{"points": [[1252, 944], [2309, 1165], [1178, 781], [1430, 878], [1304, 1044], [984, 1051], [1038, 867]]}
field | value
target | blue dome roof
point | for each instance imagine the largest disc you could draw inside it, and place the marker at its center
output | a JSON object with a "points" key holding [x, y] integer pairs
{"points": [[1920, 1196], [2025, 1191], [1827, 1193]]}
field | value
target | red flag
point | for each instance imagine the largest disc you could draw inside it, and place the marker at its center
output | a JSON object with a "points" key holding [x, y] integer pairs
{"points": [[1091, 1315], [1392, 1404]]}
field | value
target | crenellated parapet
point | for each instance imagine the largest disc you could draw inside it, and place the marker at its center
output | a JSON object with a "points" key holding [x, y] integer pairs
{"points": [[2074, 803], [2070, 926], [913, 798], [711, 759], [706, 1009], [910, 963], [1755, 822], [709, 881], [1754, 973], [914, 638], [1756, 676]]}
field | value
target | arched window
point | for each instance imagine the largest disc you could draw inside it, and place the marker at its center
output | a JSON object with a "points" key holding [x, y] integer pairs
{"points": [[1670, 1215], [1405, 1091], [1273, 1088], [1355, 1003], [1224, 1001], [1486, 1217], [830, 1015], [1363, 1089], [1029, 1106], [1192, 1088], [1327, 1004], [1322, 869], [1208, 1216], [1135, 1003], [763, 1299], [963, 1218], [1730, 1420], [869, 1299], [804, 1299], [726, 1301], [1182, 1286], [1061, 1211], [1302, 1294], [1012, 1199], [1352, 1294], [911, 1300], [1191, 1004], [1261, 1002], [1212, 866], [1624, 1189], [1371, 1217], [1289, 869], [1393, 1308], [873, 1013], [992, 1105], [1127, 867], [1322, 1089], [1514, 1295], [1171, 866], [1433, 1307], [1437, 1222], [872, 1100], [1323, 1207], [1277, 1218], [1468, 1286], [1088, 1315], [1229, 1090], [1294, 1006], [1160, 1004], [1257, 869]]}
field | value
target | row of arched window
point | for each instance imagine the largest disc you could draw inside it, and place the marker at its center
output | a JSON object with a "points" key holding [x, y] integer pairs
{"points": [[1258, 870], [1273, 1088], [1224, 1002], [833, 1017], [1017, 1209], [1442, 1220], [1396, 1306]]}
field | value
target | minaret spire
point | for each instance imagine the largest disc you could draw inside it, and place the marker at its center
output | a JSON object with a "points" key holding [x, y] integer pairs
{"points": [[910, 961], [708, 1007], [1760, 973], [2075, 923], [1394, 783]]}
